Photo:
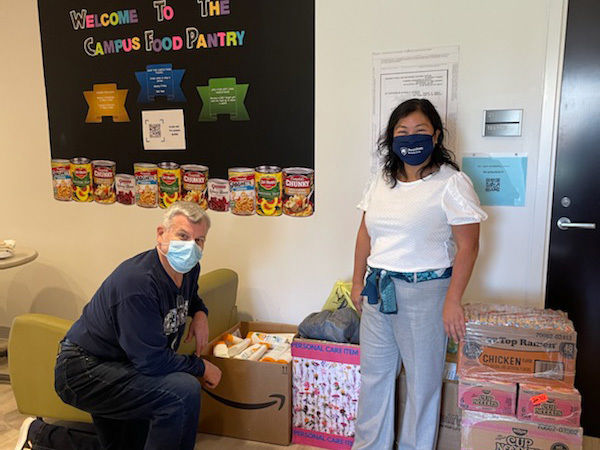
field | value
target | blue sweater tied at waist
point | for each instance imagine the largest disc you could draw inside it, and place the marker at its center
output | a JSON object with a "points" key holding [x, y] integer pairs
{"points": [[379, 285]]}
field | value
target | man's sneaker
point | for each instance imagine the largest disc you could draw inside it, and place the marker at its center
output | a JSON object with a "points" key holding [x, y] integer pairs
{"points": [[28, 430]]}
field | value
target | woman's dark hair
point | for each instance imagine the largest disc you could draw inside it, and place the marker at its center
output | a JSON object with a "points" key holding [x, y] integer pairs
{"points": [[393, 166]]}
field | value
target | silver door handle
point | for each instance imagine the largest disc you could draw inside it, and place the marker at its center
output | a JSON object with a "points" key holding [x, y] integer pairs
{"points": [[564, 223]]}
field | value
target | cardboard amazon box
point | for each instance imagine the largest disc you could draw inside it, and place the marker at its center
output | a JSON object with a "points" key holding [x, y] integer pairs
{"points": [[523, 355], [253, 401]]}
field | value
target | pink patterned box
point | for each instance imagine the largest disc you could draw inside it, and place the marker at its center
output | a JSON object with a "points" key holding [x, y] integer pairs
{"points": [[482, 395], [325, 387], [549, 405]]}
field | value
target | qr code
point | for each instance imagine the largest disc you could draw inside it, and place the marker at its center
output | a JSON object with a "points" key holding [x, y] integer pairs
{"points": [[154, 129], [492, 185]]}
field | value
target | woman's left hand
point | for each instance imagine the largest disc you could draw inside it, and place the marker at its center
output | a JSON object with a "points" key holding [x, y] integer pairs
{"points": [[454, 320]]}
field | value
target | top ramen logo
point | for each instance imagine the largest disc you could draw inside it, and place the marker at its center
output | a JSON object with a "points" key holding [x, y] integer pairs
{"points": [[297, 181], [80, 172], [268, 182], [194, 178], [169, 178]]}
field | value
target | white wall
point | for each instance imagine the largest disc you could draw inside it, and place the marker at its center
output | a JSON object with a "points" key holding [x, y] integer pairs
{"points": [[287, 266]]}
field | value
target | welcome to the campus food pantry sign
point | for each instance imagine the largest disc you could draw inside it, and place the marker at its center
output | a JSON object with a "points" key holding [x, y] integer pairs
{"points": [[212, 83]]}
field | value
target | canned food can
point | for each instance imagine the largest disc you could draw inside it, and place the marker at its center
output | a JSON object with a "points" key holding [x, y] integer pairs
{"points": [[61, 179], [125, 187], [169, 183], [218, 194], [298, 191], [194, 183], [146, 184], [103, 176], [81, 177], [268, 190], [241, 185]]}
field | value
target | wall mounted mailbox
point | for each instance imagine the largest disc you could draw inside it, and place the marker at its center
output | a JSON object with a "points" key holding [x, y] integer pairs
{"points": [[502, 122]]}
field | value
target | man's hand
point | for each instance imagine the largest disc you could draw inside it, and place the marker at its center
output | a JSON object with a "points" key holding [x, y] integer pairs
{"points": [[212, 375], [199, 330]]}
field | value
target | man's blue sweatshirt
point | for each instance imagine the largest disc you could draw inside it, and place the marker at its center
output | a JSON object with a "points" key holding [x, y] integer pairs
{"points": [[138, 314]]}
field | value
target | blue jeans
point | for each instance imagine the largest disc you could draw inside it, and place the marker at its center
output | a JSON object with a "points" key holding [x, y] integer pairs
{"points": [[129, 409]]}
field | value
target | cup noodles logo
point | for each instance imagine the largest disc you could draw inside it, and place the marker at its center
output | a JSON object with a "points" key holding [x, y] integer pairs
{"points": [[103, 172], [80, 172], [297, 181], [516, 441], [194, 178], [268, 183], [548, 409], [486, 400]]}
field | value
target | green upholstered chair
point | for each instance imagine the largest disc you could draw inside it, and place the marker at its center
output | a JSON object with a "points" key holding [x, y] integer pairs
{"points": [[34, 338]]}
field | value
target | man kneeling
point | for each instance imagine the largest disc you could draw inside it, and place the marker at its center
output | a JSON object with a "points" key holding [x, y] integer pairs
{"points": [[118, 360]]}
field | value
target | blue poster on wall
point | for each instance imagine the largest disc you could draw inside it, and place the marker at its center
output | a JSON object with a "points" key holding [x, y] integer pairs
{"points": [[499, 179]]}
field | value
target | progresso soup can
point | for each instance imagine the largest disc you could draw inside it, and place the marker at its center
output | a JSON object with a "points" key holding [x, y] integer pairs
{"points": [[241, 184], [169, 183], [268, 181], [81, 177], [61, 179], [298, 191], [146, 184]]}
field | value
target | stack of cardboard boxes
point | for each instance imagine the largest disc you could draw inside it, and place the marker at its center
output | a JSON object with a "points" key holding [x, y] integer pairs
{"points": [[516, 370]]}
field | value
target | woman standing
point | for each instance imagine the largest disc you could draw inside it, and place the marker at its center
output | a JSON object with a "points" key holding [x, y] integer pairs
{"points": [[417, 244]]}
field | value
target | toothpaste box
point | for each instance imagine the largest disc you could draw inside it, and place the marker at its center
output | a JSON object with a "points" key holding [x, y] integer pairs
{"points": [[549, 405], [325, 388], [487, 396], [482, 431]]}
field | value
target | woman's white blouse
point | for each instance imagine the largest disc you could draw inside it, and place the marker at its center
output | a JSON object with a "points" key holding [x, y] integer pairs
{"points": [[409, 224]]}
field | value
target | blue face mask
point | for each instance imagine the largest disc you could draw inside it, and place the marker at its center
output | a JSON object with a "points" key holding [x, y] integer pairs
{"points": [[183, 255], [413, 149]]}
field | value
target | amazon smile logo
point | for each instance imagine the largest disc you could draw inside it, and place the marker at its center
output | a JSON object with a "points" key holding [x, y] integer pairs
{"points": [[278, 398]]}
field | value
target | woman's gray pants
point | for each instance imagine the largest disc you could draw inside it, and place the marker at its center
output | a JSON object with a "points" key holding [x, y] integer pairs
{"points": [[414, 337]]}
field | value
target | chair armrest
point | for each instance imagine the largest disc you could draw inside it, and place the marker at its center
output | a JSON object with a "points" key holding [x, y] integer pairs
{"points": [[32, 349]]}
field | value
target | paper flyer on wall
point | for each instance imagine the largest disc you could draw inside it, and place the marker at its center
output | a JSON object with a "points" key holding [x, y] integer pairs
{"points": [[499, 179], [429, 73]]}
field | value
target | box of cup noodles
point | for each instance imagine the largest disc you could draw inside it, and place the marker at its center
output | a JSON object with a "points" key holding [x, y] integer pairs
{"points": [[487, 396], [546, 404], [481, 431], [519, 343]]}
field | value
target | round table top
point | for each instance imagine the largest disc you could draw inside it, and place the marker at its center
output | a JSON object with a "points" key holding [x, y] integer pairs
{"points": [[22, 255]]}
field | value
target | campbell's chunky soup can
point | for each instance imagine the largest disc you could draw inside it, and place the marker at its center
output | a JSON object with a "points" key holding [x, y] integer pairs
{"points": [[81, 177], [125, 188], [241, 185], [218, 194], [268, 181], [146, 184], [298, 191], [194, 183], [169, 183], [104, 181], [61, 179]]}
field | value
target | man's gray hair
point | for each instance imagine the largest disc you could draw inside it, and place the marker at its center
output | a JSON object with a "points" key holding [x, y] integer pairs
{"points": [[192, 211]]}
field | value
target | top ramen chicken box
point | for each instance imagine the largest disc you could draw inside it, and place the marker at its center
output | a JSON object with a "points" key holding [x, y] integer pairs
{"points": [[523, 344]]}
